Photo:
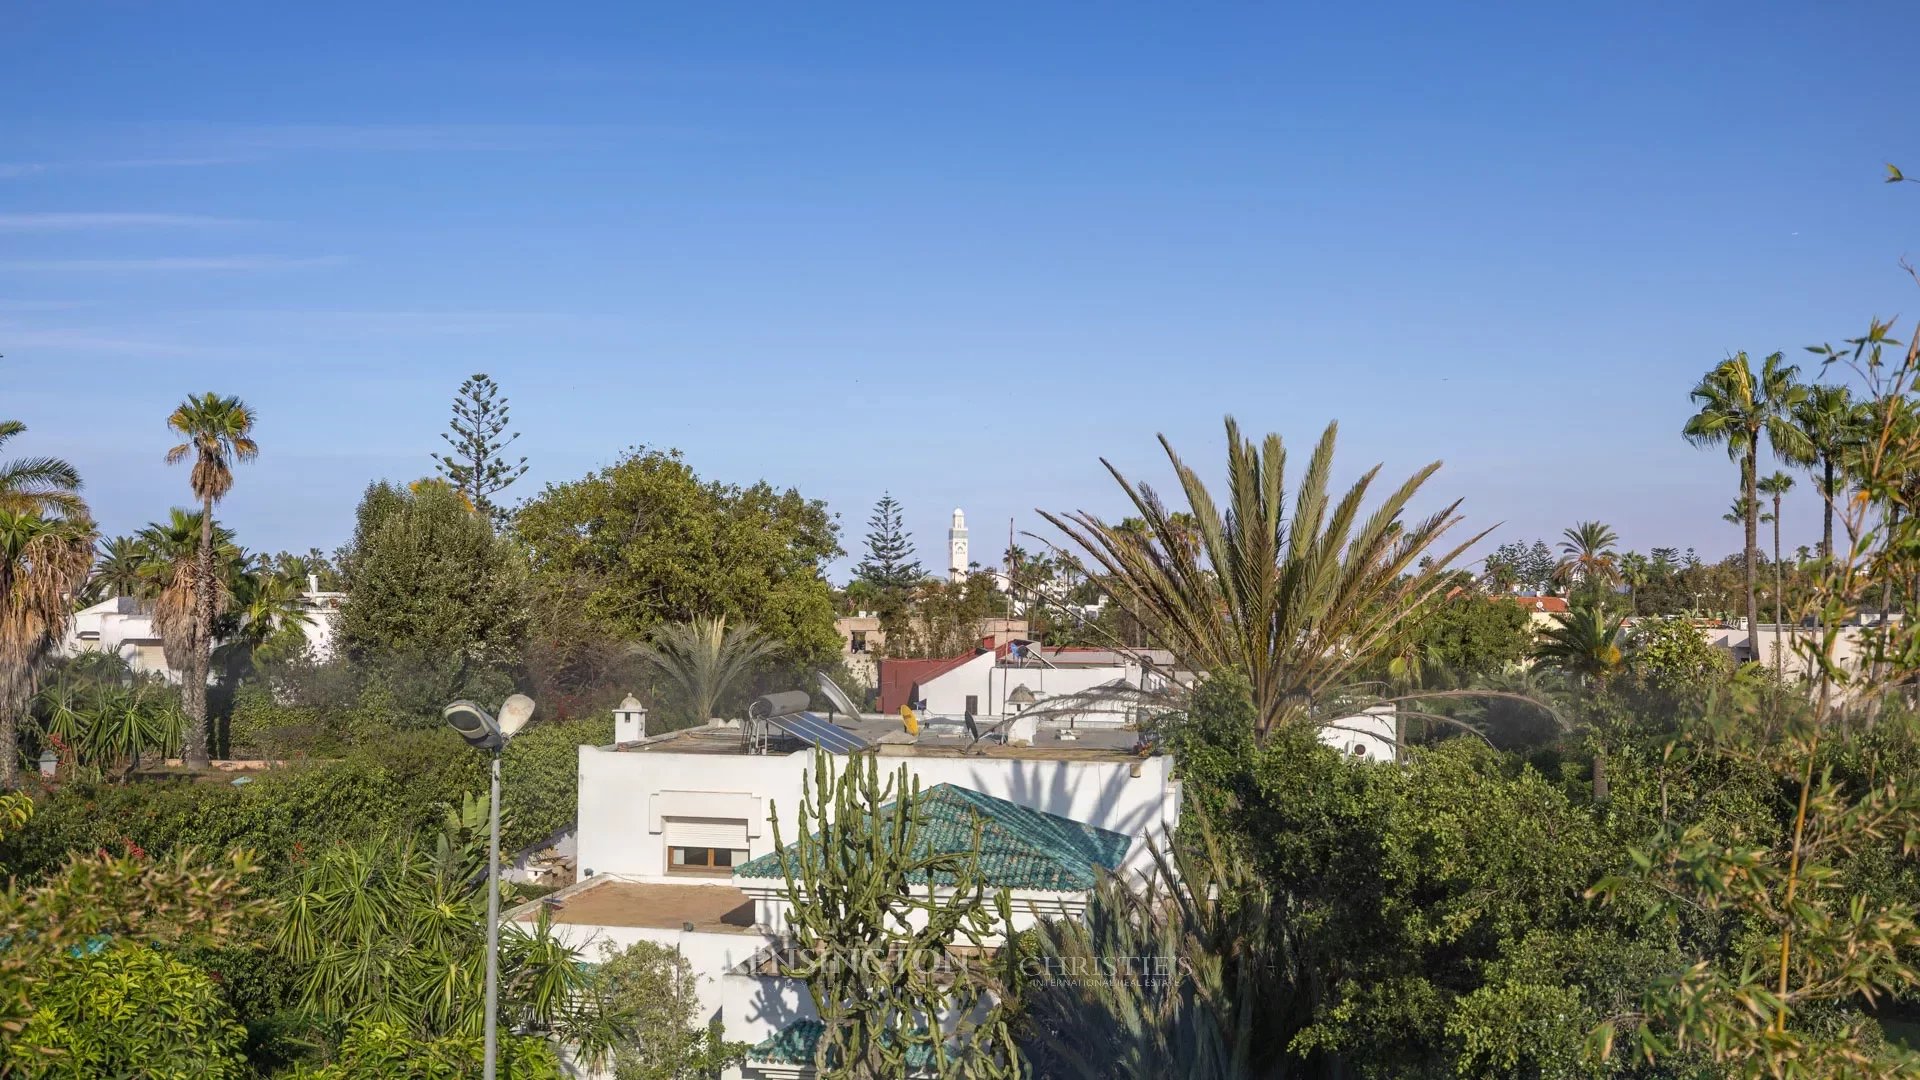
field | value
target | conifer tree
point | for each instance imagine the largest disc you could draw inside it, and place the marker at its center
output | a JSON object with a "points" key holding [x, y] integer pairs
{"points": [[889, 565], [478, 433]]}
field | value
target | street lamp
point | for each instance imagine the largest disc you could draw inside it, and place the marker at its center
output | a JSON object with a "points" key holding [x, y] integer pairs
{"points": [[483, 732]]}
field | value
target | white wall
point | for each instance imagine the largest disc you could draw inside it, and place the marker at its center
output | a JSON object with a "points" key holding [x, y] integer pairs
{"points": [[946, 694], [622, 795], [710, 955], [1372, 734]]}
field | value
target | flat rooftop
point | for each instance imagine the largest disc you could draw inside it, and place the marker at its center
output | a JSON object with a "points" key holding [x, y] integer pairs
{"points": [[712, 908], [889, 739]]}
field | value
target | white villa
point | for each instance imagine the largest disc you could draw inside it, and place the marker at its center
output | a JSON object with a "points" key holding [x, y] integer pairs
{"points": [[123, 626], [675, 845]]}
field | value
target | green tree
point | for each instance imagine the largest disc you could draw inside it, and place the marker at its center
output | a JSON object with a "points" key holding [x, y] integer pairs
{"points": [[1831, 423], [649, 995], [876, 917], [645, 541], [122, 569], [176, 901], [1296, 602], [477, 434], [269, 614], [705, 660], [127, 1010], [1586, 643], [1776, 488], [172, 566], [1738, 409], [889, 565], [1635, 571], [218, 431], [1587, 557], [41, 486], [1470, 635], [1675, 657], [436, 602], [43, 563]]}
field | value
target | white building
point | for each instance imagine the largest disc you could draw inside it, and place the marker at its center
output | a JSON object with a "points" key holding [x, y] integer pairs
{"points": [[124, 627], [1073, 686], [675, 845]]}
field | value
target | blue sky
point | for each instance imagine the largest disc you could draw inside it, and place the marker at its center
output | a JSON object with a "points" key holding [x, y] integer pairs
{"points": [[956, 252]]}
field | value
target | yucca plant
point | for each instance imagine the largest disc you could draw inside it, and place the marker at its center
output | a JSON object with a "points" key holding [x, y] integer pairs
{"points": [[1298, 599]]}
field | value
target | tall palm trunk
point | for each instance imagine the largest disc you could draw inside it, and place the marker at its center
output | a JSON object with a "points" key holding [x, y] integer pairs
{"points": [[193, 695], [1779, 591], [13, 705], [1749, 490], [1826, 489]]}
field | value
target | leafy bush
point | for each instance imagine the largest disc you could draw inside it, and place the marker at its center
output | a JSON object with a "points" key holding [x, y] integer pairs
{"points": [[127, 1010]]}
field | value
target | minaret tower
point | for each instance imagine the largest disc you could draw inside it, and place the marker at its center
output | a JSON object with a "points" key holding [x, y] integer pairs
{"points": [[957, 547]]}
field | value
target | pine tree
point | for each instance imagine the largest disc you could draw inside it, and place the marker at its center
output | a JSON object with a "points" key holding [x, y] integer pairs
{"points": [[889, 564], [477, 433]]}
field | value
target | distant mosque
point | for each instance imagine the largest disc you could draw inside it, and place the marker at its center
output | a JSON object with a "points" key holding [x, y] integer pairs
{"points": [[957, 547]]}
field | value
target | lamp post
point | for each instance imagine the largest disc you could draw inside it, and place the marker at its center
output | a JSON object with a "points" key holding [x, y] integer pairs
{"points": [[483, 732]]}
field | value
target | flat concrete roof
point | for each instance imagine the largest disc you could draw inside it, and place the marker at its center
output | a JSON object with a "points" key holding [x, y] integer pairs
{"points": [[935, 740], [711, 909]]}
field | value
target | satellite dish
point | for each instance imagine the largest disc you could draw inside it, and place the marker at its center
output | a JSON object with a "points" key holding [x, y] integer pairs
{"points": [[514, 714], [835, 696]]}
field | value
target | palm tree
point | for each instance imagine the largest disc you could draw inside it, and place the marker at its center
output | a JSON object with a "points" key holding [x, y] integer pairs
{"points": [[172, 572], [1585, 644], [218, 432], [1635, 570], [43, 563], [1586, 555], [122, 569], [1777, 486], [1831, 422], [46, 486], [268, 613], [1297, 604], [1739, 510], [1736, 409], [705, 658]]}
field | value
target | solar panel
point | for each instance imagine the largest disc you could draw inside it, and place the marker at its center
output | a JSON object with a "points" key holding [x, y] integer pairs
{"points": [[816, 731]]}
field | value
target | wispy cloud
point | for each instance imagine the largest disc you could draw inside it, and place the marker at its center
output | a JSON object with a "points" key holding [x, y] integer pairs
{"points": [[15, 169], [177, 263], [7, 305], [88, 341], [58, 221], [409, 137]]}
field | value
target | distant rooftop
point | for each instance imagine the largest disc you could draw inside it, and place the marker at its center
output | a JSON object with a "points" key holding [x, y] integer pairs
{"points": [[612, 902]]}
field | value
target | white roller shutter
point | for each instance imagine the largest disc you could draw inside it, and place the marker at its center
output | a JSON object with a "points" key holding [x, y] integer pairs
{"points": [[723, 833]]}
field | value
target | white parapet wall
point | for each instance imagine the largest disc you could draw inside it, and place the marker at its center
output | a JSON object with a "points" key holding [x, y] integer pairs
{"points": [[627, 797]]}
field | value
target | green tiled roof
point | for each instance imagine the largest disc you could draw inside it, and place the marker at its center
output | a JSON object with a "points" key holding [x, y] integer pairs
{"points": [[1020, 848], [796, 1043]]}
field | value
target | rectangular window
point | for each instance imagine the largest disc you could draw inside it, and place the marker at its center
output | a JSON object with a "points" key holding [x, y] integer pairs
{"points": [[859, 641], [718, 862], [705, 846], [973, 705]]}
